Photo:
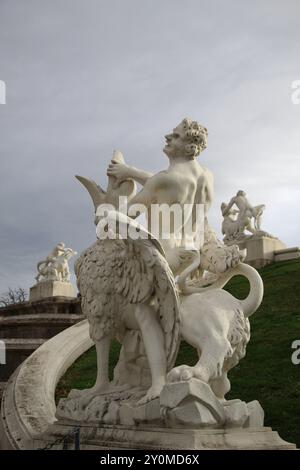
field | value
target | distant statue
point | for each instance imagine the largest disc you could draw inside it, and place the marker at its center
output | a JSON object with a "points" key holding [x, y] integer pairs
{"points": [[245, 218], [55, 267]]}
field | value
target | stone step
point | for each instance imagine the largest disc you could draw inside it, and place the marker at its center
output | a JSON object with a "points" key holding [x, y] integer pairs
{"points": [[287, 254], [16, 351], [36, 325], [59, 305], [23, 343], [41, 317], [93, 437]]}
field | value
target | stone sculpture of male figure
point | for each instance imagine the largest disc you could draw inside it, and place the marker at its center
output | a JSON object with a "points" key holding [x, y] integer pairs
{"points": [[245, 214], [184, 182]]}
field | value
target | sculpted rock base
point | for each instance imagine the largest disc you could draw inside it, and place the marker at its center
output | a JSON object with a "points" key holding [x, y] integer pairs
{"points": [[190, 404], [186, 416]]}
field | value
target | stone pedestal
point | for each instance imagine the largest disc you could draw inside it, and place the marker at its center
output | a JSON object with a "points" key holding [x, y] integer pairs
{"points": [[46, 289], [93, 437], [187, 415], [260, 250], [287, 254]]}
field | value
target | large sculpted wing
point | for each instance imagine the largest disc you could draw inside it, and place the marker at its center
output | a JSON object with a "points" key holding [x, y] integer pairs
{"points": [[169, 309], [145, 276], [95, 191], [113, 274]]}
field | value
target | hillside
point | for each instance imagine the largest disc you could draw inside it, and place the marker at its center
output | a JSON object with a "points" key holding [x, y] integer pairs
{"points": [[266, 373]]}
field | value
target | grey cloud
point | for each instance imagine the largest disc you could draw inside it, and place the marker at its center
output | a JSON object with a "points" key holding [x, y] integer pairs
{"points": [[84, 78]]}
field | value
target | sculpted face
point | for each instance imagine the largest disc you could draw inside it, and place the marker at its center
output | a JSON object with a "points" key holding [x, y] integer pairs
{"points": [[176, 143], [187, 140]]}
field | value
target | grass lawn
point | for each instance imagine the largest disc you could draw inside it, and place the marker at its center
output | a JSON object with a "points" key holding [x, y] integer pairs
{"points": [[266, 373]]}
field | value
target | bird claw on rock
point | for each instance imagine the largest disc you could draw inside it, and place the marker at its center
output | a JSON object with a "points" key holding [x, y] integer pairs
{"points": [[153, 392]]}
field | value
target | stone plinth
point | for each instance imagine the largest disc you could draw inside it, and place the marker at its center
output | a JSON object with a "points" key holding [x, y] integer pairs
{"points": [[93, 437], [287, 254], [186, 404], [260, 250], [46, 289]]}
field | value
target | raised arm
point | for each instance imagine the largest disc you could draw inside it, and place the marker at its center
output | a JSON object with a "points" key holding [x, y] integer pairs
{"points": [[121, 171], [229, 206]]}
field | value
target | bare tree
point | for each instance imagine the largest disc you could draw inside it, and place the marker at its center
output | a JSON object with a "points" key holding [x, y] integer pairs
{"points": [[13, 296]]}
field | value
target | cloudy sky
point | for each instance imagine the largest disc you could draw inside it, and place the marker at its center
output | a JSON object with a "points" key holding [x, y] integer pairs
{"points": [[84, 77]]}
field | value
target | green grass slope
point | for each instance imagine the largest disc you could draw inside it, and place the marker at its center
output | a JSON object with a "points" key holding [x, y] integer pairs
{"points": [[266, 373]]}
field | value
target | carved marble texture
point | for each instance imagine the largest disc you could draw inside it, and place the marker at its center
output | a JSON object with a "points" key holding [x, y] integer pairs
{"points": [[55, 267], [151, 292], [240, 217]]}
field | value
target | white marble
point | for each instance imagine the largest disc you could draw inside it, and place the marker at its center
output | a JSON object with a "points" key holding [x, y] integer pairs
{"points": [[286, 254], [149, 293], [189, 404], [28, 420], [240, 217], [129, 284], [146, 437], [261, 250], [54, 277], [48, 289], [55, 267], [28, 403]]}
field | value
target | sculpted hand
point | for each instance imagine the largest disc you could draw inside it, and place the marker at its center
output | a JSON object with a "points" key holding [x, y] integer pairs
{"points": [[120, 171]]}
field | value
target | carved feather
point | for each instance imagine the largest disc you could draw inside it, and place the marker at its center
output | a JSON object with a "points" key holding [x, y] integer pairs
{"points": [[114, 273], [95, 191]]}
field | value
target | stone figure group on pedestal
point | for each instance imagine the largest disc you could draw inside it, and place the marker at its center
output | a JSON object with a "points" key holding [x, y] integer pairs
{"points": [[150, 292], [245, 218], [241, 226], [53, 278], [55, 267]]}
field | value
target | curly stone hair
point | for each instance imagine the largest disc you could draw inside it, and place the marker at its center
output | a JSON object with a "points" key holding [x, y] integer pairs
{"points": [[196, 135]]}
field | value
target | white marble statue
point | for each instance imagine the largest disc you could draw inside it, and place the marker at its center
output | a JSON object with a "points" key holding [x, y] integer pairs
{"points": [[245, 218], [152, 292], [55, 267]]}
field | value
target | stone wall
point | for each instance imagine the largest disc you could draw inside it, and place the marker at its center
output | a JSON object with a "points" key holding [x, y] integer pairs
{"points": [[26, 326]]}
